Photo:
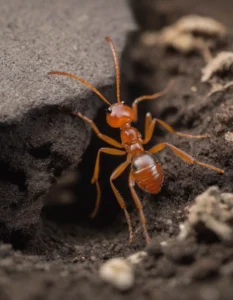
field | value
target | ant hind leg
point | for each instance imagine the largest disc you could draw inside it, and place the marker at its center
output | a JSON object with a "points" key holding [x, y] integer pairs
{"points": [[116, 173], [183, 155], [95, 177], [170, 129], [139, 207]]}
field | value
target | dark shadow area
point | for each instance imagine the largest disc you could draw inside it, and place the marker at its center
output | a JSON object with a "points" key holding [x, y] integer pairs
{"points": [[41, 152], [19, 239], [35, 153], [76, 188], [16, 177]]}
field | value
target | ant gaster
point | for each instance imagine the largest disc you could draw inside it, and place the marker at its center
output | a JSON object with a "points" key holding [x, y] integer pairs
{"points": [[145, 169]]}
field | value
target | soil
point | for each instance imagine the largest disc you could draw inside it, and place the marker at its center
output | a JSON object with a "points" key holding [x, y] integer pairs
{"points": [[51, 250]]}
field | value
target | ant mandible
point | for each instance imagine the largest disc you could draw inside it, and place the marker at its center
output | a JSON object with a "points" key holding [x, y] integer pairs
{"points": [[145, 170]]}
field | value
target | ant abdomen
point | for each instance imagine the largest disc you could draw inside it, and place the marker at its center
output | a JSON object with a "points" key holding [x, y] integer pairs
{"points": [[147, 172]]}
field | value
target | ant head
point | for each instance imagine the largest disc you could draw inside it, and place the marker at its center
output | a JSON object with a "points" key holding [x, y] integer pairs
{"points": [[119, 115]]}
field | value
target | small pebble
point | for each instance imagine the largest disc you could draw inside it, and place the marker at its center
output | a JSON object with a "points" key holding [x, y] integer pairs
{"points": [[164, 243], [5, 250], [137, 257], [194, 89], [184, 231], [6, 262], [42, 266], [229, 136], [93, 258], [118, 272]]}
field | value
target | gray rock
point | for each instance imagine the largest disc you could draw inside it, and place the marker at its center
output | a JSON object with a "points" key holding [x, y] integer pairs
{"points": [[39, 138], [37, 37]]}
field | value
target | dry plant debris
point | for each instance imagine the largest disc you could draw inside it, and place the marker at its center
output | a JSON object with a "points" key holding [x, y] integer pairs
{"points": [[190, 33], [213, 72], [222, 63], [211, 213], [203, 26], [137, 257]]}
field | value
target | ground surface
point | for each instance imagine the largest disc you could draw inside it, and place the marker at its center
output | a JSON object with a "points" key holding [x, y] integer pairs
{"points": [[61, 249]]}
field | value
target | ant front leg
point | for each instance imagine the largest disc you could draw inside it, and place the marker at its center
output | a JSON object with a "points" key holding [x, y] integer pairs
{"points": [[139, 207], [150, 125], [183, 155], [116, 173], [95, 177], [103, 137], [148, 97]]}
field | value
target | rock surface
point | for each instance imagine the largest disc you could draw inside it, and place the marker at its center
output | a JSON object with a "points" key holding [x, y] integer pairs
{"points": [[37, 37], [39, 138]]}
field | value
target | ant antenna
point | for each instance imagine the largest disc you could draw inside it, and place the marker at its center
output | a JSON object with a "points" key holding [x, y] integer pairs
{"points": [[109, 40], [86, 83]]}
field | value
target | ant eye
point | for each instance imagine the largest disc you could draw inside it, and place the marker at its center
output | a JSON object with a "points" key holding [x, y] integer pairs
{"points": [[109, 110]]}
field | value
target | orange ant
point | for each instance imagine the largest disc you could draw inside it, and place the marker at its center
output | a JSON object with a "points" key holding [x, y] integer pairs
{"points": [[146, 170]]}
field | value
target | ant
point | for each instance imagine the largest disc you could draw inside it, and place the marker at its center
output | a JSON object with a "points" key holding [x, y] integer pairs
{"points": [[145, 170]]}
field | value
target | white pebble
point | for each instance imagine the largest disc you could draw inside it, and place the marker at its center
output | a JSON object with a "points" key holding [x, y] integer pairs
{"points": [[118, 272], [194, 89], [229, 136], [184, 231], [164, 243]]}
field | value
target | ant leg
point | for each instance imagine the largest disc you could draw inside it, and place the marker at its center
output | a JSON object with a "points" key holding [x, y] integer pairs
{"points": [[148, 121], [110, 151], [95, 177], [149, 128], [170, 129], [103, 137], [148, 97], [116, 173], [139, 207], [150, 125], [183, 155]]}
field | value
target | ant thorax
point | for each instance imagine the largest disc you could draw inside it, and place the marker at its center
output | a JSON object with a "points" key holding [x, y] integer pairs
{"points": [[132, 141]]}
